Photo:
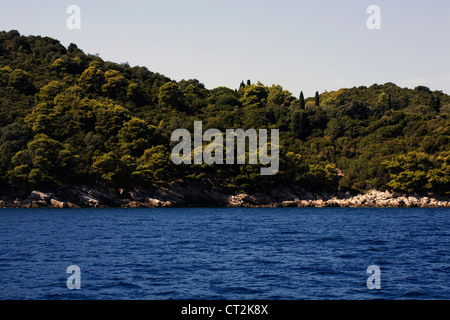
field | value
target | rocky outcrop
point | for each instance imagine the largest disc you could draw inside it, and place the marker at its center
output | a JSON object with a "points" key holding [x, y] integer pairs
{"points": [[157, 196], [372, 199], [195, 194]]}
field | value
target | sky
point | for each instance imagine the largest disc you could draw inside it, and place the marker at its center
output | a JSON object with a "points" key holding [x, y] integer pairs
{"points": [[320, 45]]}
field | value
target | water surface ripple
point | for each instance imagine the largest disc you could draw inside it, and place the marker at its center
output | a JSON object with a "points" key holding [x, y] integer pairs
{"points": [[229, 254]]}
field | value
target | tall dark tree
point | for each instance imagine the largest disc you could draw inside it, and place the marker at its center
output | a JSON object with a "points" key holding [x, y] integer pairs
{"points": [[300, 125], [317, 99], [242, 85], [302, 101], [436, 103], [249, 83]]}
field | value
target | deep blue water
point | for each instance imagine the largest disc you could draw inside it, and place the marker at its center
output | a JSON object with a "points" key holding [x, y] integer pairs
{"points": [[229, 254]]}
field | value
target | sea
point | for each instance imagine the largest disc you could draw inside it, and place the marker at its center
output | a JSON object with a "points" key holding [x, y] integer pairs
{"points": [[225, 254]]}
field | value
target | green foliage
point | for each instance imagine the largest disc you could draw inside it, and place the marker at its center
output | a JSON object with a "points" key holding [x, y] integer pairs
{"points": [[92, 78], [170, 96], [322, 177], [44, 162], [110, 118], [302, 101], [419, 172], [116, 85], [49, 92], [255, 95], [68, 117], [21, 81], [435, 102], [110, 168], [354, 109], [13, 139], [224, 97], [300, 125], [278, 96], [135, 136], [154, 165]]}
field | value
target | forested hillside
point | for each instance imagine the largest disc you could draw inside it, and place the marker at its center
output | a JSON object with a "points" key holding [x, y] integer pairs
{"points": [[70, 118]]}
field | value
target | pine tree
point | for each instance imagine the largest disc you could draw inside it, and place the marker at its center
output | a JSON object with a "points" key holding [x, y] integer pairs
{"points": [[249, 83], [242, 85], [302, 101], [317, 99]]}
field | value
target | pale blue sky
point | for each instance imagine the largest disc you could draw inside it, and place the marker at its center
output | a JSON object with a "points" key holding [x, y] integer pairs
{"points": [[302, 45]]}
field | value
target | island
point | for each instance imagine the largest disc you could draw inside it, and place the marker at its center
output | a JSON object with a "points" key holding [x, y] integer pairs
{"points": [[78, 131]]}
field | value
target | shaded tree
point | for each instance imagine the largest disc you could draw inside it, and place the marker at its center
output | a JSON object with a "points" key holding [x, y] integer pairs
{"points": [[170, 96], [92, 78], [302, 101], [254, 96], [435, 102], [317, 99]]}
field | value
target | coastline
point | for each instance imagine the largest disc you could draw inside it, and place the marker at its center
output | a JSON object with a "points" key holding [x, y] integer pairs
{"points": [[203, 195]]}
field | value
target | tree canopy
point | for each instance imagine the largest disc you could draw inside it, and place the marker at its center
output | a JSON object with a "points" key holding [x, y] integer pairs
{"points": [[67, 117]]}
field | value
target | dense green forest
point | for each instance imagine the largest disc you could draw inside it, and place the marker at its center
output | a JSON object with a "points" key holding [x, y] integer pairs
{"points": [[70, 118]]}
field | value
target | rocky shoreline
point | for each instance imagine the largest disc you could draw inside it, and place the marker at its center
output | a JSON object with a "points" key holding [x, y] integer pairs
{"points": [[203, 195]]}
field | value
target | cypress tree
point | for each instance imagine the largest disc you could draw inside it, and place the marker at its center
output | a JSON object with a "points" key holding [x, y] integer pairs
{"points": [[436, 103], [249, 83], [302, 101], [317, 99]]}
